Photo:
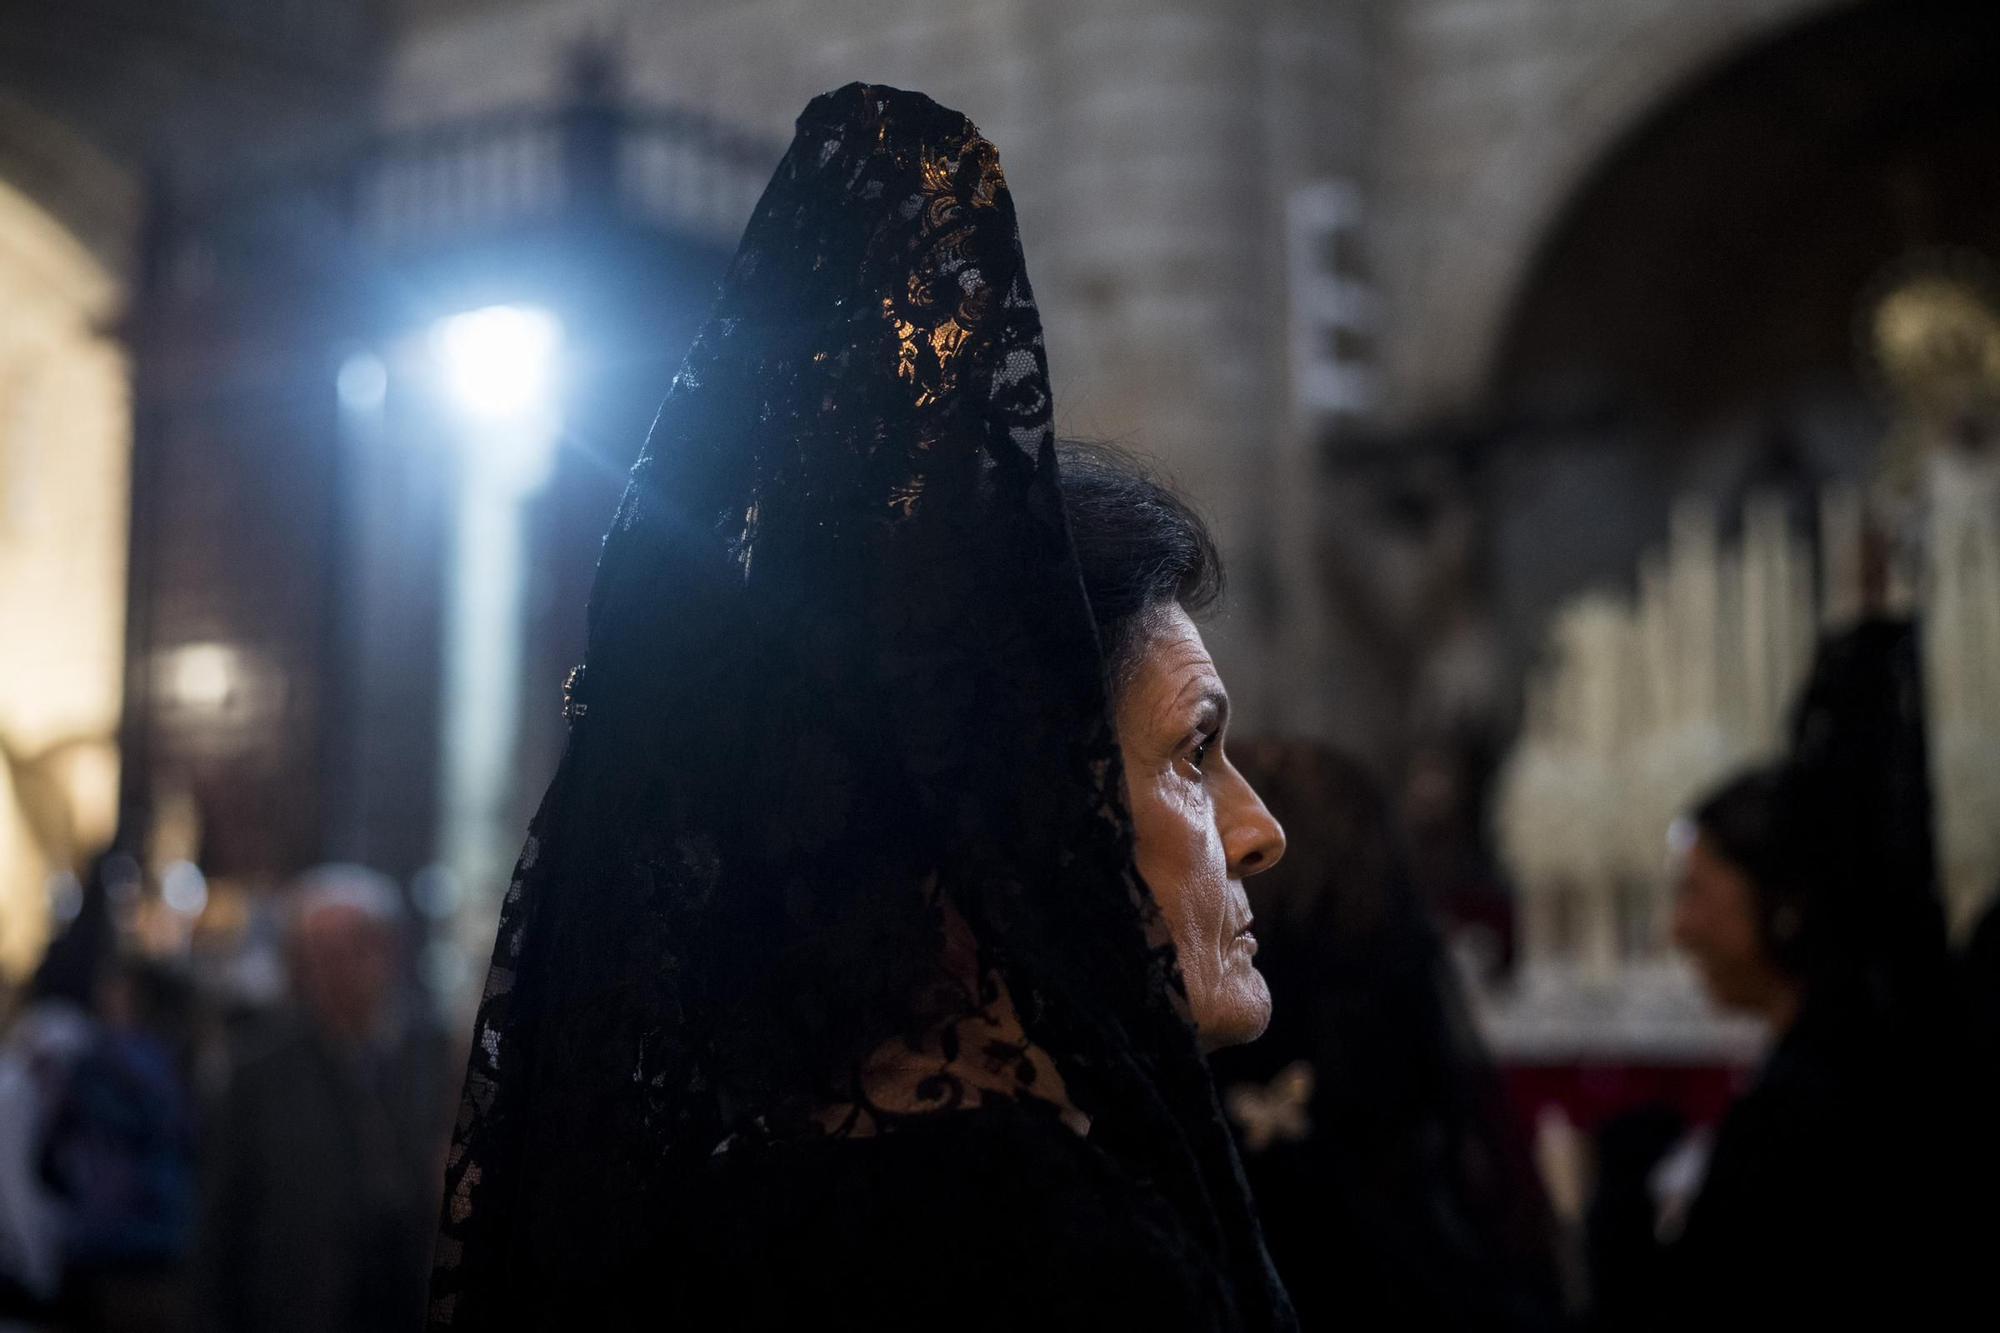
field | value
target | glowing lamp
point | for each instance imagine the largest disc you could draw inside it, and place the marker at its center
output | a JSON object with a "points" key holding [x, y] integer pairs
{"points": [[499, 363], [203, 676]]}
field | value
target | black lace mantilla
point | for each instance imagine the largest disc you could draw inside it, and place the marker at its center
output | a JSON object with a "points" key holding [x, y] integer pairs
{"points": [[842, 678]]}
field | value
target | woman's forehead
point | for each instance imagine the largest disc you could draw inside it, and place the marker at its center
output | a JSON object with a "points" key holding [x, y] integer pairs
{"points": [[1174, 666]]}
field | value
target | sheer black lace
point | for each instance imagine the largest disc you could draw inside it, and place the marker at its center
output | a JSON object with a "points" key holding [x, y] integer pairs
{"points": [[842, 681]]}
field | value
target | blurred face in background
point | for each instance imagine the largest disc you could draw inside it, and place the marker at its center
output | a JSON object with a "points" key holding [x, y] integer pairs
{"points": [[343, 961], [1718, 922], [1198, 829]]}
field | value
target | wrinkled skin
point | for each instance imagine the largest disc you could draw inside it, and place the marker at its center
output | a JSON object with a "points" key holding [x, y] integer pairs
{"points": [[1199, 830]]}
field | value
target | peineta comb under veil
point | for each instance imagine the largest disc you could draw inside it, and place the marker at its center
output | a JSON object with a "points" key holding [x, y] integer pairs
{"points": [[842, 679]]}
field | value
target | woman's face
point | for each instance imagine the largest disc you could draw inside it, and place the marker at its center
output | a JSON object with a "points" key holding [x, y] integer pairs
{"points": [[1198, 829], [1715, 921]]}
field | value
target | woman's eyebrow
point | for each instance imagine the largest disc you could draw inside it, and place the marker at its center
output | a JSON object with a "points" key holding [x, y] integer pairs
{"points": [[1215, 700]]}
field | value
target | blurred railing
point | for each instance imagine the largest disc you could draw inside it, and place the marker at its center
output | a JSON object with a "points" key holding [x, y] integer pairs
{"points": [[674, 169], [669, 167]]}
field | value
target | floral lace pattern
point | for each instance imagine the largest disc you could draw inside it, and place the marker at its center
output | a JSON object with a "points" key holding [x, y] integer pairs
{"points": [[841, 674]]}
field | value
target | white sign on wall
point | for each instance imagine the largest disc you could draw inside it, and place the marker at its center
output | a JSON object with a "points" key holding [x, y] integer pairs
{"points": [[1333, 308]]}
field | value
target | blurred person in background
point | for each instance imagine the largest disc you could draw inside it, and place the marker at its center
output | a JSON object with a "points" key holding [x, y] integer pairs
{"points": [[55, 1028], [1394, 1185], [324, 1155], [1842, 1183], [96, 1131], [120, 1152]]}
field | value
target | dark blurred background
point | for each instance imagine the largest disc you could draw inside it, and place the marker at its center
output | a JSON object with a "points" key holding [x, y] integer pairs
{"points": [[1534, 360]]}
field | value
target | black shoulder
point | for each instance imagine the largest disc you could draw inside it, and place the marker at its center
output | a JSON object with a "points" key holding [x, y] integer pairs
{"points": [[1002, 1218]]}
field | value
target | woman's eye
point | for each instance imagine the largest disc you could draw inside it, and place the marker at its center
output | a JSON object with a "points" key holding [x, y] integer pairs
{"points": [[1198, 756]]}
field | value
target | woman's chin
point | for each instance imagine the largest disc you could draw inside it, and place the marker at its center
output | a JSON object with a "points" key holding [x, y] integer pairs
{"points": [[1241, 1012]]}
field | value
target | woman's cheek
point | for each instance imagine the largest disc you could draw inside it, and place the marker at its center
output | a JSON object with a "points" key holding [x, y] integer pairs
{"points": [[1152, 836]]}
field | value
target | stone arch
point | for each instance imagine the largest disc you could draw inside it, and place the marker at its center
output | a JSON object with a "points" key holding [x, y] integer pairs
{"points": [[90, 198], [1686, 328], [1467, 253], [1713, 263]]}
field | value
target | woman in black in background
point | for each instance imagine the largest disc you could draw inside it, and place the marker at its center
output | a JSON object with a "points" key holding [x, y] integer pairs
{"points": [[1850, 1185], [855, 968], [1394, 1186]]}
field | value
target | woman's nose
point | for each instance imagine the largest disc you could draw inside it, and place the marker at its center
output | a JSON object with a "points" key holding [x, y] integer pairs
{"points": [[1252, 840]]}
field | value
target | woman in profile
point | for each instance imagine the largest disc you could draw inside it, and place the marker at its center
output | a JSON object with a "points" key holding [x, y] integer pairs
{"points": [[858, 967], [1842, 1186]]}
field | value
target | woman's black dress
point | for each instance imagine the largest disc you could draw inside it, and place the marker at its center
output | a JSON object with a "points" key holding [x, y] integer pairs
{"points": [[997, 1218], [842, 682]]}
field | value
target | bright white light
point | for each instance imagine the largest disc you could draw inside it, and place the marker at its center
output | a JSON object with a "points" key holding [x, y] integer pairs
{"points": [[363, 382], [500, 361], [202, 675], [184, 888]]}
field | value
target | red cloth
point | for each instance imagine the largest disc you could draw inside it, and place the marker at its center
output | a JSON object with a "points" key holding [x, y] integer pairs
{"points": [[1591, 1093]]}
